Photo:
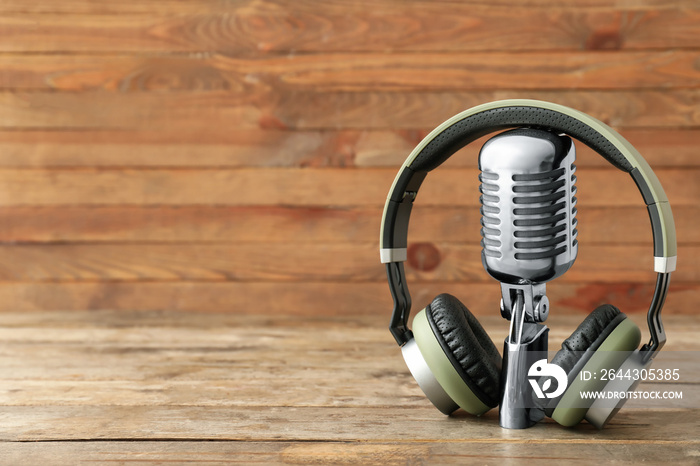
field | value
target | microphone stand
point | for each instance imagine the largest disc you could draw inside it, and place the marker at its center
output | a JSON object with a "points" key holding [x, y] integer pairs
{"points": [[525, 306]]}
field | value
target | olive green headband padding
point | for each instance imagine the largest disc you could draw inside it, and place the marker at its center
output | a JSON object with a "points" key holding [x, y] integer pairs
{"points": [[442, 368], [479, 121], [571, 408]]}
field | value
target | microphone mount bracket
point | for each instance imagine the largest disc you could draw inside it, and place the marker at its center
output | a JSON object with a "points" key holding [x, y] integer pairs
{"points": [[532, 295]]}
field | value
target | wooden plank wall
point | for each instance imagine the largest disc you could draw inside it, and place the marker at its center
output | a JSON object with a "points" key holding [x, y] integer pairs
{"points": [[233, 156]]}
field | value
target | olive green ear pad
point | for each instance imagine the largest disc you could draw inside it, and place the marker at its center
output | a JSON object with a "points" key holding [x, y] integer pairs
{"points": [[459, 353], [602, 341]]}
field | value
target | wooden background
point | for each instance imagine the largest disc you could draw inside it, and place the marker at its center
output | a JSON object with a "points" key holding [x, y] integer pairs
{"points": [[234, 156]]}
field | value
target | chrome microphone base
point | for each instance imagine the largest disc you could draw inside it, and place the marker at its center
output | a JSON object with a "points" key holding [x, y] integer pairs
{"points": [[518, 409], [526, 345]]}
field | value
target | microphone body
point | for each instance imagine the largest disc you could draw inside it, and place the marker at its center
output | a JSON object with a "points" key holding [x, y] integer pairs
{"points": [[528, 219], [528, 206]]}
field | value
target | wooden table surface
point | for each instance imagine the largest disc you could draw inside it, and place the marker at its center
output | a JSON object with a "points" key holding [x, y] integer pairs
{"points": [[156, 388]]}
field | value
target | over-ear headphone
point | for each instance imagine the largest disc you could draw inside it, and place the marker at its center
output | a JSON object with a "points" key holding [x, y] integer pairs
{"points": [[447, 351]]}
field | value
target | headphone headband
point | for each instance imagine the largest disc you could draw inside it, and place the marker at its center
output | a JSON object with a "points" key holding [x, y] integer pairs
{"points": [[479, 121]]}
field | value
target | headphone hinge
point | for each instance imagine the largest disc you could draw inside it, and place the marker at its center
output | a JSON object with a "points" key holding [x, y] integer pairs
{"points": [[402, 303], [656, 327]]}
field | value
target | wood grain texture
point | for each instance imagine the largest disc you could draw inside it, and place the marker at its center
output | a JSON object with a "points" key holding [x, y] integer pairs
{"points": [[352, 26], [254, 107], [302, 262], [299, 187], [296, 224], [314, 299], [214, 147], [148, 7], [229, 148], [331, 72], [222, 146], [298, 424], [324, 452], [141, 383], [190, 197]]}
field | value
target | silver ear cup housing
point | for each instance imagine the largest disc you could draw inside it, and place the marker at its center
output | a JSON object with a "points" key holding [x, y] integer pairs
{"points": [[604, 409], [426, 380]]}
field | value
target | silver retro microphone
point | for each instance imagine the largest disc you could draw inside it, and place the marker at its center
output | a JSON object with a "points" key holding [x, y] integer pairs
{"points": [[528, 211], [528, 218]]}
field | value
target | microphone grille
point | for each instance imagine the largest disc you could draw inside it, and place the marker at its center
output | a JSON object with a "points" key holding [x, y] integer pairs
{"points": [[528, 199], [490, 221], [541, 223]]}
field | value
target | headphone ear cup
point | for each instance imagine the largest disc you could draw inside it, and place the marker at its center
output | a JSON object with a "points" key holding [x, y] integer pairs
{"points": [[469, 350], [588, 335], [600, 342]]}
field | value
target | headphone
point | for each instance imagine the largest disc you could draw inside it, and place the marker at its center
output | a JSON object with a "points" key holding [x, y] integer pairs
{"points": [[448, 352]]}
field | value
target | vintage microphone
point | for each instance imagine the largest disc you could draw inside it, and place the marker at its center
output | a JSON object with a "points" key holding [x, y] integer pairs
{"points": [[528, 218]]}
